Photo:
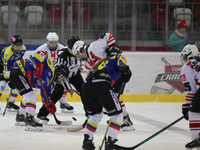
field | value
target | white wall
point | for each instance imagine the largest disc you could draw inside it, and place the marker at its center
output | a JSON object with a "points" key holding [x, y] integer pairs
{"points": [[145, 67]]}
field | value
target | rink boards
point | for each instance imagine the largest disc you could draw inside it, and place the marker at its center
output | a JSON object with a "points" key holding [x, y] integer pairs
{"points": [[155, 78]]}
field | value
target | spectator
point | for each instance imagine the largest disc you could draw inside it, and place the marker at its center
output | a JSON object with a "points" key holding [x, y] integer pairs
{"points": [[179, 39]]}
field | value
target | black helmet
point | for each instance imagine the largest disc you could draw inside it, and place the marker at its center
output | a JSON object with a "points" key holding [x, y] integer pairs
{"points": [[16, 40], [113, 51], [71, 40]]}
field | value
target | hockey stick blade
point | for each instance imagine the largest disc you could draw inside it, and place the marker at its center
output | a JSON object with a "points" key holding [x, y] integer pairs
{"points": [[7, 103], [78, 128], [61, 122], [152, 136]]}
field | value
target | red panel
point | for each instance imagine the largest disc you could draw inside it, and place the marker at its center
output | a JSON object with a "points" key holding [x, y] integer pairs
{"points": [[155, 1], [197, 16], [55, 14], [146, 48], [29, 1], [194, 1], [158, 15], [86, 11]]}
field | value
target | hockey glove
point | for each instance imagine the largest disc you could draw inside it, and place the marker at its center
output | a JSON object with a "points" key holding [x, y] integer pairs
{"points": [[185, 109], [51, 108], [38, 73], [126, 74]]}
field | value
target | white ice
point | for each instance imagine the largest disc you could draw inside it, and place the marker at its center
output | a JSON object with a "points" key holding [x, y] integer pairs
{"points": [[148, 118]]}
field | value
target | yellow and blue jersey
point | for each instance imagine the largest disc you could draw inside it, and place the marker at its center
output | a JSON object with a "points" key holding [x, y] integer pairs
{"points": [[9, 57], [113, 66], [27, 68], [49, 69]]}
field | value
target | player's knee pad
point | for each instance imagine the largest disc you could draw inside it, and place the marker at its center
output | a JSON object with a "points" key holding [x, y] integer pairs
{"points": [[96, 118], [117, 117], [30, 96], [2, 85]]}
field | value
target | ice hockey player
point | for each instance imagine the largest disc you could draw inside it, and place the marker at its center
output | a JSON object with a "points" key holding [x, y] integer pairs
{"points": [[52, 49], [95, 52], [190, 76], [9, 55], [25, 77], [98, 94], [75, 78]]}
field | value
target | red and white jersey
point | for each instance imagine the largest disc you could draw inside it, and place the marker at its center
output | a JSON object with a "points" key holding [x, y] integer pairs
{"points": [[97, 50], [52, 55], [190, 76]]}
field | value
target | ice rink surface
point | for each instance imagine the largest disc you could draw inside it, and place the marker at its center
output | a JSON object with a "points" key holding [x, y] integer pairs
{"points": [[148, 118]]}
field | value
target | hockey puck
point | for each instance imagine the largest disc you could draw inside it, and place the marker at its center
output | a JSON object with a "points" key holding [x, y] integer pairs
{"points": [[74, 118]]}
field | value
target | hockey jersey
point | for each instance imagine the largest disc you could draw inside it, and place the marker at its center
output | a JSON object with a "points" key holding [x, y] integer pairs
{"points": [[9, 57], [113, 66], [190, 77], [27, 68], [67, 59], [52, 55], [97, 50]]}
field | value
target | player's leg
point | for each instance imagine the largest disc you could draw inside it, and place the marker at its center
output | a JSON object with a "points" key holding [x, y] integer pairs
{"points": [[94, 109], [29, 101], [127, 123], [11, 102], [194, 121], [2, 87], [65, 107], [194, 124], [113, 109]]}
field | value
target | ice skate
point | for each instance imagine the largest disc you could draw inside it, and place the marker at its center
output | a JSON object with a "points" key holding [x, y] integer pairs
{"points": [[42, 120], [127, 124], [20, 119], [66, 108], [110, 144], [12, 107], [87, 144], [32, 124], [194, 144]]}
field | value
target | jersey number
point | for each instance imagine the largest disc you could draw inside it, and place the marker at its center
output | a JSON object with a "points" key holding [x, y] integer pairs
{"points": [[187, 86]]}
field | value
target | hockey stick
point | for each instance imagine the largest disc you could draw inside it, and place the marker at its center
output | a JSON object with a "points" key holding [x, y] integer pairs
{"points": [[77, 128], [149, 138], [45, 93], [7, 103], [168, 64], [104, 138]]}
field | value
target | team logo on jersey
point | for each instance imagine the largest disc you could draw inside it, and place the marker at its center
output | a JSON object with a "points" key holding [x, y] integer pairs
{"points": [[6, 55], [172, 76], [183, 77]]}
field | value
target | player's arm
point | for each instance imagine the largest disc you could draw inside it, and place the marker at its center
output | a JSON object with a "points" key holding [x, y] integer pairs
{"points": [[190, 88], [123, 67], [109, 38], [39, 58], [6, 66]]}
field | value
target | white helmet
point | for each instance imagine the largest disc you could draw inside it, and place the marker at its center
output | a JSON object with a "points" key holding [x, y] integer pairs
{"points": [[52, 36], [189, 51], [78, 47]]}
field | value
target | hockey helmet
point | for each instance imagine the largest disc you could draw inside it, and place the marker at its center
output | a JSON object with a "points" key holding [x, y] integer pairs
{"points": [[112, 51], [189, 51], [71, 40], [16, 40], [78, 47], [52, 37], [60, 71]]}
